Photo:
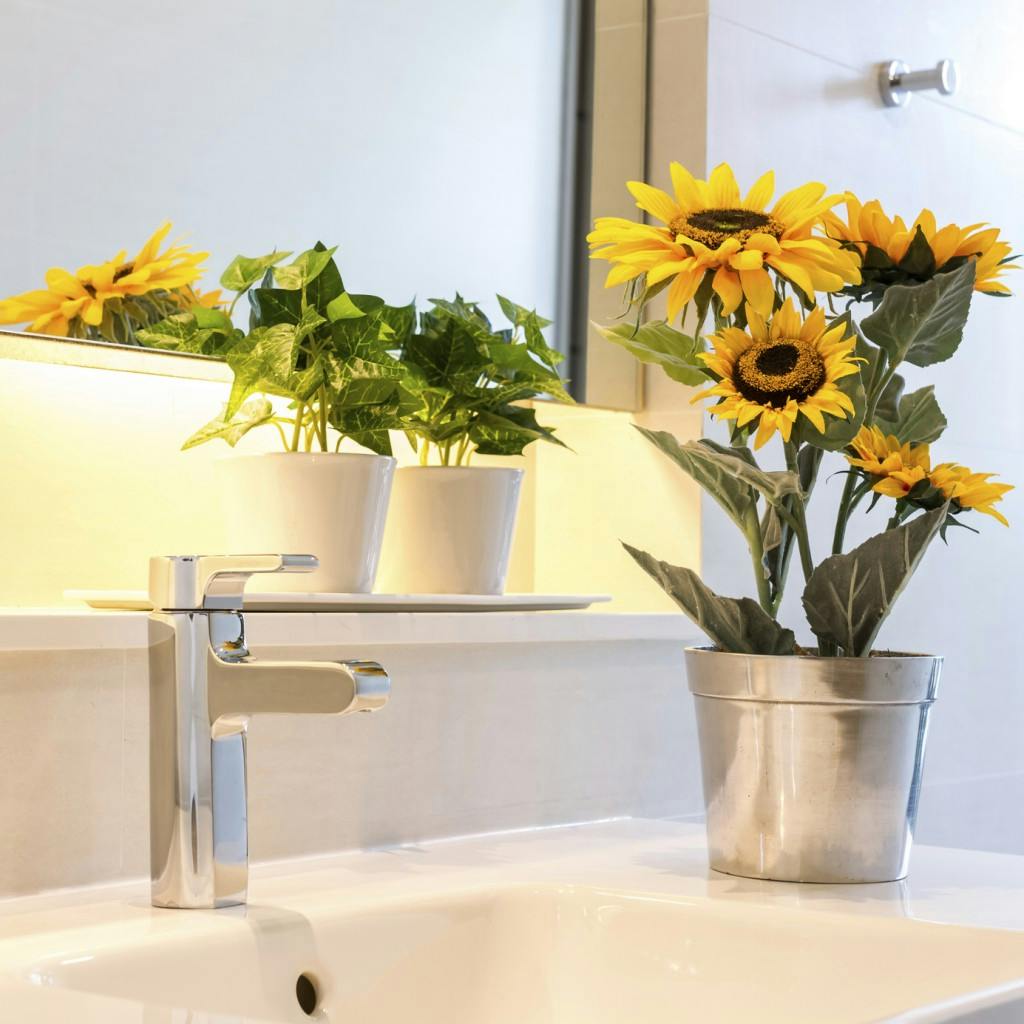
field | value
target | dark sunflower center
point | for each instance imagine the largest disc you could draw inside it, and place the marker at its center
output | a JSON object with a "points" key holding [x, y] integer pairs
{"points": [[713, 227], [774, 371]]}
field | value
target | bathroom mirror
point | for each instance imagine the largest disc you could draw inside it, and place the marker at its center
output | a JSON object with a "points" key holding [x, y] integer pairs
{"points": [[449, 147]]}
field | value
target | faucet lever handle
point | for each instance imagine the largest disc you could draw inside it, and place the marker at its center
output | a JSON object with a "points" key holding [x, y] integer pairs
{"points": [[194, 582]]}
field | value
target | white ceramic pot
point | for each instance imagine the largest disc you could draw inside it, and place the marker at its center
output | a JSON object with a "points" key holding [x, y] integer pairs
{"points": [[332, 505], [450, 530]]}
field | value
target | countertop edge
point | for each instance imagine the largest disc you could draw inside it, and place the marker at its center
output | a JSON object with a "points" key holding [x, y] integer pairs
{"points": [[66, 629]]}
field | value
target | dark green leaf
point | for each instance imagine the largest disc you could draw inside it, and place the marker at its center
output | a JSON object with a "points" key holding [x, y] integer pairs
{"points": [[739, 626], [849, 596], [736, 497], [923, 323], [918, 419]]}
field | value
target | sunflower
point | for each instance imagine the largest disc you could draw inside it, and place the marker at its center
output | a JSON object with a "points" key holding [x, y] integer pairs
{"points": [[709, 229], [152, 270], [904, 471], [74, 303], [970, 490], [893, 253], [778, 369], [65, 299], [898, 468]]}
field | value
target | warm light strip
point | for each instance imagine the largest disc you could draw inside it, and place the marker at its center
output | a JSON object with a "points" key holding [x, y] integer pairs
{"points": [[102, 355]]}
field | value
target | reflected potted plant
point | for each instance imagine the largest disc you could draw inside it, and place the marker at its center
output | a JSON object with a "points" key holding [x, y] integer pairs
{"points": [[315, 367], [451, 524], [811, 757]]}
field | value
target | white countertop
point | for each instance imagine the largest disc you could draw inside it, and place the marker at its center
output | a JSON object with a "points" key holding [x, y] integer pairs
{"points": [[664, 859]]}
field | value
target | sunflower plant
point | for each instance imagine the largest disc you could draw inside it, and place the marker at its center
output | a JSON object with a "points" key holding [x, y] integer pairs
{"points": [[323, 352], [779, 366], [114, 300]]}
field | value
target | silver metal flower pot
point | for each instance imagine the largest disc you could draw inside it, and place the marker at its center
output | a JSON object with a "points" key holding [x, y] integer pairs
{"points": [[812, 766]]}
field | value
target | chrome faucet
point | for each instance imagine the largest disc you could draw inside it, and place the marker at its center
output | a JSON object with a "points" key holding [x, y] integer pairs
{"points": [[204, 687]]}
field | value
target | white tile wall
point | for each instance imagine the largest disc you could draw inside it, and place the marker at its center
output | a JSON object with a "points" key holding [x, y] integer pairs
{"points": [[475, 738], [791, 87]]}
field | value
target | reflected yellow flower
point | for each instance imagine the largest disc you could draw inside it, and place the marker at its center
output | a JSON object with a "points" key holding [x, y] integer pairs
{"points": [[151, 269], [885, 245], [779, 369], [72, 300], [709, 228]]}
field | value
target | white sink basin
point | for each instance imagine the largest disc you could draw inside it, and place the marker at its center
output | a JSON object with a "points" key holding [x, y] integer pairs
{"points": [[471, 940]]}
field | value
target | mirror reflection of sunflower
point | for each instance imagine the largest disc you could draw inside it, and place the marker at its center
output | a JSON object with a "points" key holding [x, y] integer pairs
{"points": [[132, 292], [708, 228], [779, 369]]}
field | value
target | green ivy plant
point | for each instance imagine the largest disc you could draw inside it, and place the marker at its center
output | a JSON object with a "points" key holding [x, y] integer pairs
{"points": [[326, 351], [467, 377]]}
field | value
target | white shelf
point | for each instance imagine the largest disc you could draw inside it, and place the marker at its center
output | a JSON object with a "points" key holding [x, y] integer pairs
{"points": [[87, 629]]}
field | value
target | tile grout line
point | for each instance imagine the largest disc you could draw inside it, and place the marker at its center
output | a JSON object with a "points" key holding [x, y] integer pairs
{"points": [[858, 71], [124, 763]]}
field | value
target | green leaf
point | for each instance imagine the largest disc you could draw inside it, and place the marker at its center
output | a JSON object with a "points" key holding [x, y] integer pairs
{"points": [[919, 260], [918, 419], [352, 307], [923, 323], [401, 321], [739, 463], [244, 271], [183, 332], [736, 497], [657, 342], [232, 429], [508, 432], [271, 306], [264, 363], [739, 626], [849, 596], [532, 326], [304, 269]]}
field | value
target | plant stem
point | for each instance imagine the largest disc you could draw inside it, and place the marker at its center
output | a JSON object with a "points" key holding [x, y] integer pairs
{"points": [[280, 430], [756, 545], [843, 515], [297, 433], [800, 514], [323, 417]]}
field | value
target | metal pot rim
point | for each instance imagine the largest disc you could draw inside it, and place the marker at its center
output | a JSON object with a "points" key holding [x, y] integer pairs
{"points": [[888, 656], [897, 679]]}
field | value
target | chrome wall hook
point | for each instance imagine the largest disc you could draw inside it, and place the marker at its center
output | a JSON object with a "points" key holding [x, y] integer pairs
{"points": [[896, 81]]}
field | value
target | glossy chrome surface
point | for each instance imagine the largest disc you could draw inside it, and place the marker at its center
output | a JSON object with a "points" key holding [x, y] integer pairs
{"points": [[811, 766], [204, 687], [896, 82]]}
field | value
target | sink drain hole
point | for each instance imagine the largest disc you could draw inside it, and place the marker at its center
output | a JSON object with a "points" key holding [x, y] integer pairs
{"points": [[306, 994]]}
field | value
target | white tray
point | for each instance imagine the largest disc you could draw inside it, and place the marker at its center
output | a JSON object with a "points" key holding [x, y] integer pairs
{"points": [[138, 600]]}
